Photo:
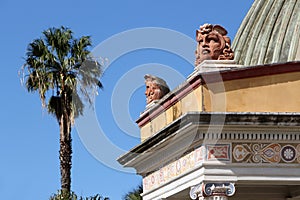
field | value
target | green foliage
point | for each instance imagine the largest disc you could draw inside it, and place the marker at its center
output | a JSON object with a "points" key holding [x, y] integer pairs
{"points": [[60, 63], [65, 195], [135, 194]]}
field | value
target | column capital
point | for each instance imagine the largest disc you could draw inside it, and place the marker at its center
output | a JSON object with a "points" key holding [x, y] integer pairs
{"points": [[212, 191]]}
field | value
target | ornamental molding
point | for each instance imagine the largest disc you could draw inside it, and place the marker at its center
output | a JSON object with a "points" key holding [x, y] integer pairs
{"points": [[225, 154], [267, 134], [265, 153], [190, 140], [279, 126]]}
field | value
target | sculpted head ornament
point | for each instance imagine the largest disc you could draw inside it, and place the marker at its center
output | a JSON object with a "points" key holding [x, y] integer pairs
{"points": [[156, 88], [213, 44]]}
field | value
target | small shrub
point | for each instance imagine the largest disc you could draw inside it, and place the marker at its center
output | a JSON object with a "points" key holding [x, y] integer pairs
{"points": [[65, 195]]}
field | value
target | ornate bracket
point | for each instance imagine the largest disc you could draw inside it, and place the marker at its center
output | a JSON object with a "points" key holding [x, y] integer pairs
{"points": [[212, 191]]}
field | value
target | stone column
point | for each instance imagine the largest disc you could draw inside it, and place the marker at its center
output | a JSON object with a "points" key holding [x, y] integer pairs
{"points": [[212, 191]]}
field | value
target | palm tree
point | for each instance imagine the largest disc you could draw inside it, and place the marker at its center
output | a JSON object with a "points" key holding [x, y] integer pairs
{"points": [[60, 67], [135, 194]]}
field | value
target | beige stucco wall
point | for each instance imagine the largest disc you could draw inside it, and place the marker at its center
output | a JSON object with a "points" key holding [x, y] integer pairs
{"points": [[191, 102], [273, 93], [276, 93]]}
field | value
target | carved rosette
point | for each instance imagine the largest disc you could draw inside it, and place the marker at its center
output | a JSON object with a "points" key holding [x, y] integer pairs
{"points": [[212, 191]]}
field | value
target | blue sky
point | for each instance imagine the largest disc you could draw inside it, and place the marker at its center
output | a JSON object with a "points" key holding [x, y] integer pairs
{"points": [[29, 145]]}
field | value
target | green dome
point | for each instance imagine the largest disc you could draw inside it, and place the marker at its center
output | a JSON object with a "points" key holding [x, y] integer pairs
{"points": [[269, 33]]}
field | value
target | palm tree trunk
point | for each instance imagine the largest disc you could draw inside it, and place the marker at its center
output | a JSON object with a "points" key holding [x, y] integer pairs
{"points": [[65, 152]]}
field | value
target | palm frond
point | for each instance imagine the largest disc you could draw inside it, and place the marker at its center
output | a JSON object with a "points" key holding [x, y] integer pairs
{"points": [[58, 62], [135, 194], [79, 48], [77, 105], [59, 41], [55, 106]]}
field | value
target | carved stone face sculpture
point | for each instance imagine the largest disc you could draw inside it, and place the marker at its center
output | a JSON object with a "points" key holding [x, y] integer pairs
{"points": [[209, 46], [213, 44], [156, 88], [152, 92]]}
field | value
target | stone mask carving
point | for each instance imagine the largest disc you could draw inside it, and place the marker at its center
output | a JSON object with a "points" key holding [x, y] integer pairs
{"points": [[156, 88], [213, 44]]}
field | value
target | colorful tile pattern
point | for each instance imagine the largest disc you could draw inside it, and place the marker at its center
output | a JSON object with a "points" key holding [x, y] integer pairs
{"points": [[219, 152], [266, 153], [231, 153]]}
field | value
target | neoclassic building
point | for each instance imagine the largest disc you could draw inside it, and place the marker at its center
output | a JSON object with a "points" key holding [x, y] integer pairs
{"points": [[232, 129]]}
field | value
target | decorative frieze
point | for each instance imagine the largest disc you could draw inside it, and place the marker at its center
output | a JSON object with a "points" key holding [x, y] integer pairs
{"points": [[209, 152], [236, 153], [220, 152], [266, 153]]}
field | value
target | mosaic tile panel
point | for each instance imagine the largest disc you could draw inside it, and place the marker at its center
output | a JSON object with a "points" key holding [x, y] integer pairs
{"points": [[219, 152], [266, 153]]}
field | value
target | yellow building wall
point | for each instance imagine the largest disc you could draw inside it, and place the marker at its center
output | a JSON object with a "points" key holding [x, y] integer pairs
{"points": [[275, 93], [191, 102]]}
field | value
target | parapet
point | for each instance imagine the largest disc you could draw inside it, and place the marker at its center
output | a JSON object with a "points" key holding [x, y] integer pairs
{"points": [[264, 88]]}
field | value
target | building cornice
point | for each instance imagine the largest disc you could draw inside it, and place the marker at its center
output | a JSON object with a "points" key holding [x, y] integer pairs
{"points": [[248, 119]]}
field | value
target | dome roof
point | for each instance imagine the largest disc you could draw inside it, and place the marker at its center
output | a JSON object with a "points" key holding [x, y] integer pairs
{"points": [[269, 33]]}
